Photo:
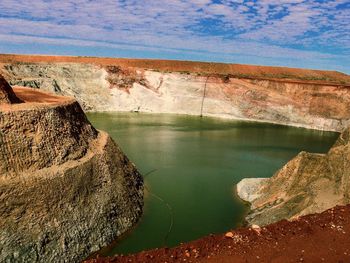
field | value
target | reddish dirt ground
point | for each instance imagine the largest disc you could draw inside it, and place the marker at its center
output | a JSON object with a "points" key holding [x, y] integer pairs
{"points": [[30, 98], [315, 238], [30, 95], [204, 68]]}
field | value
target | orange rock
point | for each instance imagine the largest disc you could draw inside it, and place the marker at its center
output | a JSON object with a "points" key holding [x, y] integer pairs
{"points": [[229, 235]]}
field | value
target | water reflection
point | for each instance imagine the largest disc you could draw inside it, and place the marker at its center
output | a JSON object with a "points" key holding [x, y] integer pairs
{"points": [[197, 162]]}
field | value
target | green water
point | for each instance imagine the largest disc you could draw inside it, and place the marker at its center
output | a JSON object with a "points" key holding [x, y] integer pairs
{"points": [[198, 161]]}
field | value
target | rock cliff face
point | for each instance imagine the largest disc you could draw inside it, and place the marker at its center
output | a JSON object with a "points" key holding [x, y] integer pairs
{"points": [[321, 104], [7, 95], [66, 189], [309, 183]]}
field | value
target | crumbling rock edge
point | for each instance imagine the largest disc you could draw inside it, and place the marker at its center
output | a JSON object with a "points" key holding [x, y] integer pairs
{"points": [[66, 189], [309, 183]]}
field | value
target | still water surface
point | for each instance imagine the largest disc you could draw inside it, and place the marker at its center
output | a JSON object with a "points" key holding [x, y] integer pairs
{"points": [[196, 162]]}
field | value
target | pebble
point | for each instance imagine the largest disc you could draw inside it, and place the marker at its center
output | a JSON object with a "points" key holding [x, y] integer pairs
{"points": [[256, 228], [229, 235]]}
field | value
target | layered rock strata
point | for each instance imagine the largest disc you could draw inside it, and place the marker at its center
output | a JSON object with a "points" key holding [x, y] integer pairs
{"points": [[320, 104], [309, 183], [66, 189]]}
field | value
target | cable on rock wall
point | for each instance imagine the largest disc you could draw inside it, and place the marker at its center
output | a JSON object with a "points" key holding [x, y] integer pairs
{"points": [[204, 93]]}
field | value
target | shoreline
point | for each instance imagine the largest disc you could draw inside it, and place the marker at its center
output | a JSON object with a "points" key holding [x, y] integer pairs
{"points": [[303, 240]]}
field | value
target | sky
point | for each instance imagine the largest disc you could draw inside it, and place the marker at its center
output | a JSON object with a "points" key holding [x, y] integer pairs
{"points": [[295, 33]]}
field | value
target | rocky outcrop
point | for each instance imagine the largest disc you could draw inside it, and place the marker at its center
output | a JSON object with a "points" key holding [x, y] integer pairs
{"points": [[309, 183], [248, 188], [7, 96], [87, 83], [66, 189], [320, 104]]}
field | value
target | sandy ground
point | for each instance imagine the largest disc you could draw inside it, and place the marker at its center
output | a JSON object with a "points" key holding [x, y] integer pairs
{"points": [[30, 95], [313, 238], [238, 70], [31, 98]]}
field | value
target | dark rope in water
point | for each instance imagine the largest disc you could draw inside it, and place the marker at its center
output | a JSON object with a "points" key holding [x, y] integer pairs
{"points": [[150, 172], [168, 206], [204, 93]]}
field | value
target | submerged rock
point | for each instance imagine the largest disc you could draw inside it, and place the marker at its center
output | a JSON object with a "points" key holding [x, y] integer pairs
{"points": [[66, 189], [309, 183]]}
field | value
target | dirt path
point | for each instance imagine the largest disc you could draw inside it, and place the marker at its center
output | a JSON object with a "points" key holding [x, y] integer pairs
{"points": [[314, 238]]}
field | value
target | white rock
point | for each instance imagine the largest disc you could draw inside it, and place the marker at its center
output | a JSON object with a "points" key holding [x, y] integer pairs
{"points": [[248, 188]]}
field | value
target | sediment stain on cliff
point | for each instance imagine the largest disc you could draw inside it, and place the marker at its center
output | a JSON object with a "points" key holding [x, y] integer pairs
{"points": [[297, 97]]}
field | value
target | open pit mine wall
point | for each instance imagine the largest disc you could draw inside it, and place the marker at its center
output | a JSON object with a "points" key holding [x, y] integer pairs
{"points": [[66, 189], [309, 183], [113, 88]]}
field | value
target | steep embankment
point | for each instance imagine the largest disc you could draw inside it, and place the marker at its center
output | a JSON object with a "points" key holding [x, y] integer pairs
{"points": [[7, 96], [297, 97], [309, 183], [66, 189]]}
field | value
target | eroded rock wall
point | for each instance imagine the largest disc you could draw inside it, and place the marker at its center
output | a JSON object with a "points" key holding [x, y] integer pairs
{"points": [[43, 136], [66, 189], [7, 95], [309, 183], [117, 88], [85, 82]]}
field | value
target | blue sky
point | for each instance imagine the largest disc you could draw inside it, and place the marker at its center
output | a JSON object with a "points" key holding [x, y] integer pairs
{"points": [[296, 33]]}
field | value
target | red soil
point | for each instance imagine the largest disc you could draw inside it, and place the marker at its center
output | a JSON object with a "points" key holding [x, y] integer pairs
{"points": [[30, 98], [321, 237], [30, 95], [203, 68]]}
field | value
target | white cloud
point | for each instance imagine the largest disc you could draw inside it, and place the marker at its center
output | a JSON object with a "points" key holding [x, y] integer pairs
{"points": [[264, 28]]}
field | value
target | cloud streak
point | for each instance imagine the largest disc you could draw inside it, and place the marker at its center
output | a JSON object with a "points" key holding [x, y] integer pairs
{"points": [[285, 29]]}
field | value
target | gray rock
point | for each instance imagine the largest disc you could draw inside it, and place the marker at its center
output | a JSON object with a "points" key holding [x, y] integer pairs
{"points": [[66, 189], [248, 189]]}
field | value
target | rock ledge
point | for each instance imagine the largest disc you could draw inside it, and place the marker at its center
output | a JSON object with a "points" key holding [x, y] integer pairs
{"points": [[309, 183], [66, 189]]}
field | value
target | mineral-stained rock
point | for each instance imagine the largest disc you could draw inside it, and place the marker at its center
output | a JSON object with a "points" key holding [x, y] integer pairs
{"points": [[66, 189], [275, 95], [309, 183]]}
